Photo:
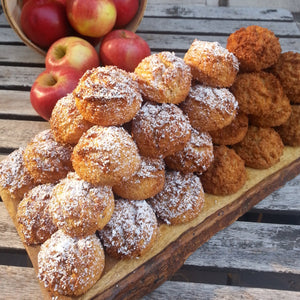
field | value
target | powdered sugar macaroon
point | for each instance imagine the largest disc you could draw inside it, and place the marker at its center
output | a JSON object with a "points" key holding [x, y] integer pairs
{"points": [[80, 208], [181, 200], [160, 130], [70, 266], [211, 64], [131, 231], [209, 108], [107, 96], [106, 155], [164, 78]]}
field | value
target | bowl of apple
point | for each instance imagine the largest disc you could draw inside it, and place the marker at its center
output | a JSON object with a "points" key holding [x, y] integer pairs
{"points": [[89, 19]]}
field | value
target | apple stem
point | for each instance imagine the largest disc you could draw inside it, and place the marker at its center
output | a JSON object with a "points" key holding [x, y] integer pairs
{"points": [[60, 52]]}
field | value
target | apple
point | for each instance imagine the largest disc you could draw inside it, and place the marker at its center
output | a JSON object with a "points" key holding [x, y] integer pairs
{"points": [[72, 52], [50, 86], [126, 10], [93, 18], [124, 49], [44, 22]]}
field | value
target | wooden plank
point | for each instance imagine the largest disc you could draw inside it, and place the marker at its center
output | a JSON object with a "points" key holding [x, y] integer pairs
{"points": [[213, 27], [199, 11], [19, 283], [253, 247], [15, 133], [192, 291], [16, 103], [9, 238], [284, 200]]}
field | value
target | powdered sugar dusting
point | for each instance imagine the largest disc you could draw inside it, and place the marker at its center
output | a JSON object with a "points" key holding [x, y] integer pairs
{"points": [[69, 265], [131, 228], [150, 166]]}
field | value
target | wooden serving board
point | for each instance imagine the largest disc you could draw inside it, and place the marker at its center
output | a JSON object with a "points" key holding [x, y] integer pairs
{"points": [[130, 279]]}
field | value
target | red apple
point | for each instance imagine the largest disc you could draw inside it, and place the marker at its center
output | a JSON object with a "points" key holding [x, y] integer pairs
{"points": [[124, 49], [126, 10], [50, 86], [44, 22], [72, 52], [93, 18]]}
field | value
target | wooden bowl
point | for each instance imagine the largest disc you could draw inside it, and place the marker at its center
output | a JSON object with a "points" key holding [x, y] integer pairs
{"points": [[12, 10]]}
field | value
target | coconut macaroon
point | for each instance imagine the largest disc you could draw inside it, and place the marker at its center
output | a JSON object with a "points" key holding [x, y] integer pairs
{"points": [[255, 47], [66, 122], [34, 222], [227, 173], [106, 155], [209, 108], [15, 178], [287, 70], [147, 182], [196, 156], [163, 78], [181, 199], [46, 159], [132, 230], [107, 96], [80, 208], [70, 266], [211, 64], [160, 130]]}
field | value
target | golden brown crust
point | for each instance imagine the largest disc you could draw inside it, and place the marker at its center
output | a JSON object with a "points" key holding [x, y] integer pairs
{"points": [[47, 160], [106, 155], [260, 94], [146, 183], [163, 78], [226, 175], [131, 231], [255, 47], [107, 96], [35, 224], [211, 64], [160, 129], [290, 130], [181, 200], [232, 133], [261, 148], [287, 70], [209, 108], [66, 122], [70, 266], [80, 208], [15, 178], [196, 156]]}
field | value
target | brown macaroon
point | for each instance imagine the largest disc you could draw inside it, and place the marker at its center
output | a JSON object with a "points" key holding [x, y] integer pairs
{"points": [[147, 182], [290, 130], [70, 266], [256, 47], [132, 230], [287, 70], [226, 175], [46, 159], [35, 224], [66, 122], [209, 108], [261, 148], [106, 155], [196, 156], [107, 96], [164, 78], [181, 199], [80, 208], [211, 64], [160, 130]]}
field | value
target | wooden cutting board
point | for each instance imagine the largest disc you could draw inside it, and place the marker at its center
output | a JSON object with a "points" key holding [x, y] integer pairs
{"points": [[130, 279]]}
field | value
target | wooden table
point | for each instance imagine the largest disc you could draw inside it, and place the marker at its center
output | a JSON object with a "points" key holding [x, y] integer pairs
{"points": [[257, 257]]}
